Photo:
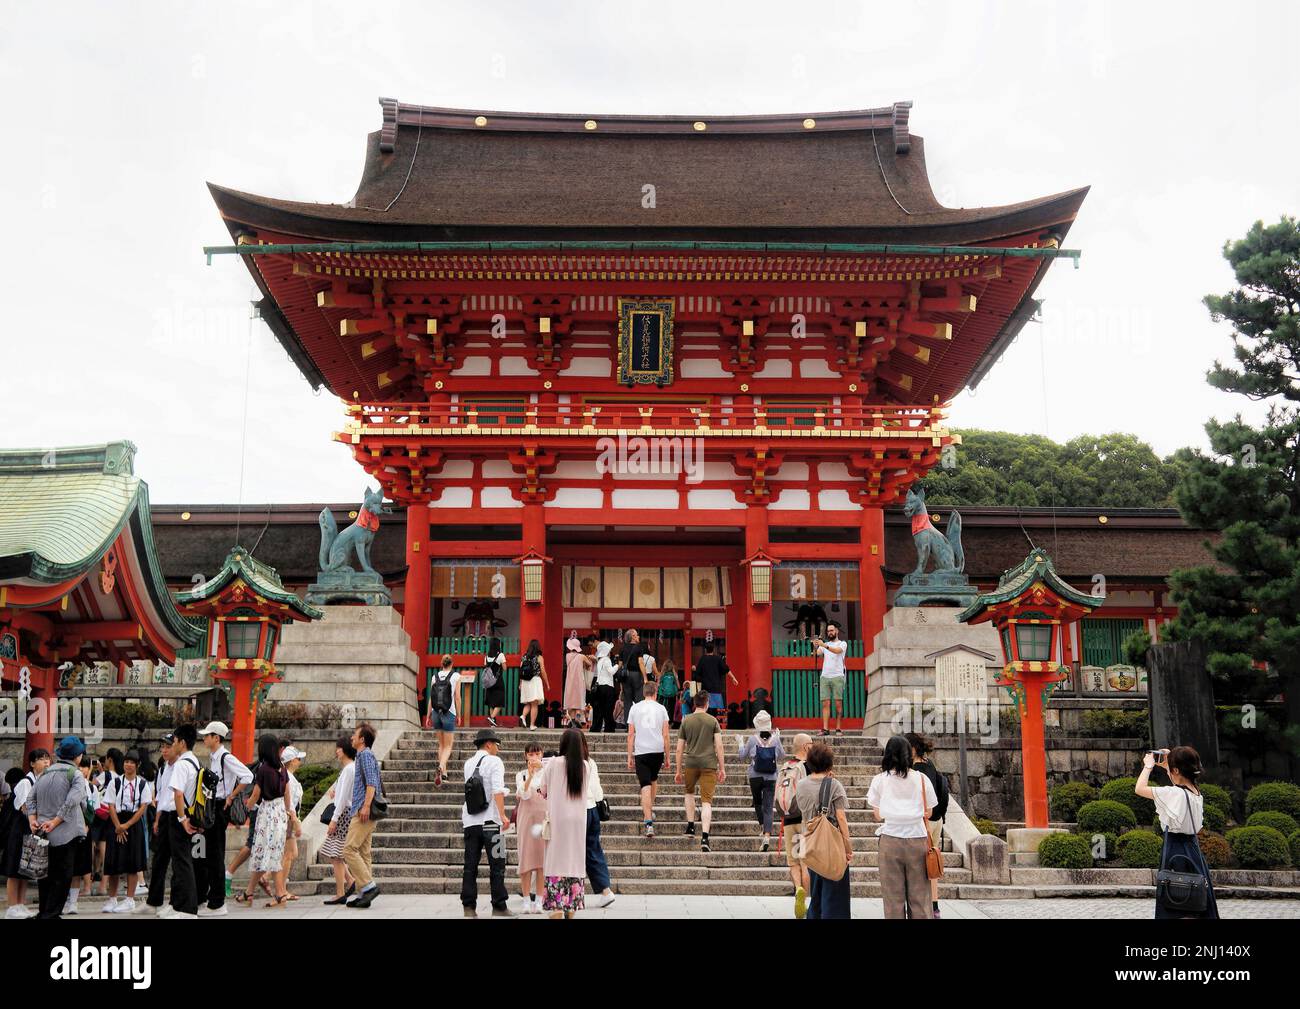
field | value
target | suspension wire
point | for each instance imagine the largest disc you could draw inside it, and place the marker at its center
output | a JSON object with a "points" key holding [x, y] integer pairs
{"points": [[243, 440]]}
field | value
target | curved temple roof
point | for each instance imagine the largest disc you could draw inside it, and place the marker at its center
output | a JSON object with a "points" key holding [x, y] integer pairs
{"points": [[436, 174]]}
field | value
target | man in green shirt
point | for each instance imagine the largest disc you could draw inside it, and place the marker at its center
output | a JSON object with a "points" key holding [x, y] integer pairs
{"points": [[700, 761]]}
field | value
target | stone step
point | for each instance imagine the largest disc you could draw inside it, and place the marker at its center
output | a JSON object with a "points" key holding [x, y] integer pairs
{"points": [[439, 822], [705, 875], [711, 887], [650, 854], [666, 840]]}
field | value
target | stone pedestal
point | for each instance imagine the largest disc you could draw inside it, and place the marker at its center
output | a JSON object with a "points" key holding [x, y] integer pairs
{"points": [[899, 669], [989, 861], [357, 657], [1022, 842]]}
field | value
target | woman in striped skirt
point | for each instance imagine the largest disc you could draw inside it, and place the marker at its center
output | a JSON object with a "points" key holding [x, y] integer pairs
{"points": [[337, 837]]}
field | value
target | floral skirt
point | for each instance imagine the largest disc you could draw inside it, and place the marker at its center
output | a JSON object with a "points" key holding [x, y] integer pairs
{"points": [[268, 841], [563, 893]]}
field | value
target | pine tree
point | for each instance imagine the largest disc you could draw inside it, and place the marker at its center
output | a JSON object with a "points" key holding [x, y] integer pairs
{"points": [[1247, 608]]}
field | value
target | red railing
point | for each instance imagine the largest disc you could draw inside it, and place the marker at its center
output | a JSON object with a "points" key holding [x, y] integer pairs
{"points": [[379, 418]]}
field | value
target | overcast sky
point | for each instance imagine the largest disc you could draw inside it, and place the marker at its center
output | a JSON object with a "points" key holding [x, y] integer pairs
{"points": [[1182, 117]]}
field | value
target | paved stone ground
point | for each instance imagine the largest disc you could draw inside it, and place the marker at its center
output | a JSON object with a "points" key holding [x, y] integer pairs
{"points": [[665, 907]]}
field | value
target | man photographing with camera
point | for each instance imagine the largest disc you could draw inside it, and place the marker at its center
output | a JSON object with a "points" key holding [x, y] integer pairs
{"points": [[832, 651]]}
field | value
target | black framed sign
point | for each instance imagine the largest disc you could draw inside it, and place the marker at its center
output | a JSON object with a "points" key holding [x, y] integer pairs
{"points": [[645, 341]]}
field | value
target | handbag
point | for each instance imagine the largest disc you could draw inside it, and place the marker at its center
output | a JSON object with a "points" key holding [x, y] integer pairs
{"points": [[34, 862], [546, 829], [823, 844], [1186, 893], [237, 813], [603, 811], [933, 856], [327, 815]]}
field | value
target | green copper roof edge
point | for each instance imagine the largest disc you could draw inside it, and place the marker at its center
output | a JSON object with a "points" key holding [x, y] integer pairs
{"points": [[648, 246], [239, 563], [44, 570], [1010, 585], [72, 459], [163, 600]]}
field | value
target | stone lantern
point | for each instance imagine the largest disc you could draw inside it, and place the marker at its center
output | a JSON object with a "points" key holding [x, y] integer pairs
{"points": [[1029, 607], [245, 605]]}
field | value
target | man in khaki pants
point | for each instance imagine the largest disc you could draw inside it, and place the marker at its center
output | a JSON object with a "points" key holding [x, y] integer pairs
{"points": [[356, 850]]}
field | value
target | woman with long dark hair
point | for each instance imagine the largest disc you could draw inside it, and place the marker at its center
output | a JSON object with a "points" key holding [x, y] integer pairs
{"points": [[272, 800], [921, 750], [533, 684], [494, 664], [903, 800], [564, 783], [1181, 808]]}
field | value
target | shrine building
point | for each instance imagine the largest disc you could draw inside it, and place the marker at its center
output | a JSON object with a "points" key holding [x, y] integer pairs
{"points": [[653, 372]]}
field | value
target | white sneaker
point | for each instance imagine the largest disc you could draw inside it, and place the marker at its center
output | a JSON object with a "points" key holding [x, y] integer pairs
{"points": [[70, 906], [146, 908], [125, 906], [17, 912], [604, 900], [213, 912], [181, 914], [534, 907], [166, 911], [110, 906]]}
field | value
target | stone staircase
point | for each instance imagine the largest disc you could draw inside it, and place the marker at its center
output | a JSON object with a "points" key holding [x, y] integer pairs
{"points": [[419, 848]]}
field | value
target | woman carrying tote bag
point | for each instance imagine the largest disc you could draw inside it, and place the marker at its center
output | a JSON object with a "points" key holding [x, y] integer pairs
{"points": [[902, 798], [1183, 887], [822, 804]]}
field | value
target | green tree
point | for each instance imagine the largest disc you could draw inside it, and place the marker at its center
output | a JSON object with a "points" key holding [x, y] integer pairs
{"points": [[1247, 608]]}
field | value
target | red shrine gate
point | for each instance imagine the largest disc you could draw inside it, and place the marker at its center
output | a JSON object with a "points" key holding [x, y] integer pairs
{"points": [[524, 313]]}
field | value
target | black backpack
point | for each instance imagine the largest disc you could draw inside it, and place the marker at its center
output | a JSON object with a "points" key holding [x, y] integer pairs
{"points": [[528, 668], [202, 809], [476, 798], [940, 782], [440, 693]]}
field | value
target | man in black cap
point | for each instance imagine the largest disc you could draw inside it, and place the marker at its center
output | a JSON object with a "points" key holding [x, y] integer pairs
{"points": [[484, 819]]}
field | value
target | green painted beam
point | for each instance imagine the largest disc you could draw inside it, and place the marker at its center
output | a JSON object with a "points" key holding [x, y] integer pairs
{"points": [[648, 246]]}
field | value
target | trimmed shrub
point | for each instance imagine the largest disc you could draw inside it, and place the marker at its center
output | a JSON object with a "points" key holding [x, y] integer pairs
{"points": [[1066, 799], [1218, 797], [1281, 796], [1259, 848], [1283, 824], [985, 826], [1065, 851], [1215, 848], [1103, 816], [1215, 818], [316, 780], [1140, 849], [1293, 842], [1121, 790]]}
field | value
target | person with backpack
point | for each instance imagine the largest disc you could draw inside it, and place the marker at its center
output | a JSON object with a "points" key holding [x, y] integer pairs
{"points": [[494, 680], [484, 821], [602, 719], [163, 805], [903, 798], [533, 684], [823, 805], [764, 752], [367, 792], [104, 785], [54, 807], [83, 848], [921, 750], [668, 689], [232, 779], [443, 688], [183, 823], [271, 799], [18, 828], [793, 771]]}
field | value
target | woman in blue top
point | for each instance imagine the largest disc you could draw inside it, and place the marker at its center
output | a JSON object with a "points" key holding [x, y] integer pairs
{"points": [[764, 753]]}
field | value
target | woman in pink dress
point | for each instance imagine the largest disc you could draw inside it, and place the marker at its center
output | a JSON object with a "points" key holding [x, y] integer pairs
{"points": [[576, 666], [530, 815], [564, 783]]}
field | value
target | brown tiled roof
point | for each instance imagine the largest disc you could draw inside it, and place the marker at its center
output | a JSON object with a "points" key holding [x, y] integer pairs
{"points": [[432, 174]]}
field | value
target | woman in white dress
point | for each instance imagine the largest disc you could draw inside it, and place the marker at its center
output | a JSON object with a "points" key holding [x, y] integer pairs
{"points": [[533, 684]]}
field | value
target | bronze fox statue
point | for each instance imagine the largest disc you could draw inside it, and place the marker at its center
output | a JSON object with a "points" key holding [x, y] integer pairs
{"points": [[947, 551], [335, 546]]}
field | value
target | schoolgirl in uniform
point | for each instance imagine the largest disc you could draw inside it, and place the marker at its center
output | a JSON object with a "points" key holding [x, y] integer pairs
{"points": [[127, 855]]}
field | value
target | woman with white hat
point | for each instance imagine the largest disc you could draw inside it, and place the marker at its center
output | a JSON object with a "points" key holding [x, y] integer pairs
{"points": [[764, 753], [576, 667], [606, 692]]}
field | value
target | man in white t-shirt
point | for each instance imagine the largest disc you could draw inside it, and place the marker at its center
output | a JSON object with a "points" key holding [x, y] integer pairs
{"points": [[647, 749], [485, 828], [832, 651], [444, 685]]}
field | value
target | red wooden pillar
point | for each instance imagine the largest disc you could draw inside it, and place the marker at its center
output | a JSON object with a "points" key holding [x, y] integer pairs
{"points": [[418, 588], [758, 616], [533, 616], [871, 577], [1033, 755]]}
